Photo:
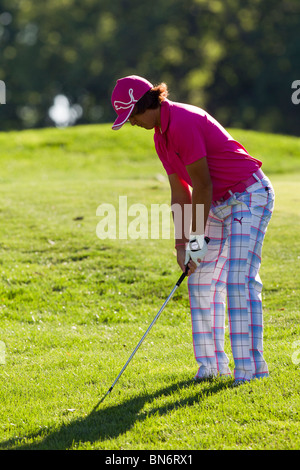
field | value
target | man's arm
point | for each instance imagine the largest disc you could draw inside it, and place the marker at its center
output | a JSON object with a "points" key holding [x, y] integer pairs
{"points": [[181, 200], [181, 195], [202, 192]]}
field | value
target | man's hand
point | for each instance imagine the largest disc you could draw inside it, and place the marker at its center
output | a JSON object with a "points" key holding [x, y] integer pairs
{"points": [[181, 261]]}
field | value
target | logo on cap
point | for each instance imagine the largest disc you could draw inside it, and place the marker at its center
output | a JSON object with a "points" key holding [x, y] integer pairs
{"points": [[121, 105]]}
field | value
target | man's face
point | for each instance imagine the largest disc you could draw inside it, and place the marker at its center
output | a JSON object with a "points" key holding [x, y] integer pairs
{"points": [[148, 120]]}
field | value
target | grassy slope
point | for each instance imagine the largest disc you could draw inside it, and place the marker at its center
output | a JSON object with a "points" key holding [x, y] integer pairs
{"points": [[72, 307]]}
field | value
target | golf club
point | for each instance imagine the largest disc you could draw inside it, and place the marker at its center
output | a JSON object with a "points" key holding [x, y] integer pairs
{"points": [[178, 283]]}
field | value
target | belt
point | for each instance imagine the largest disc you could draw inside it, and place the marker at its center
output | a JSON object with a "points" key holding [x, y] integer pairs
{"points": [[243, 185]]}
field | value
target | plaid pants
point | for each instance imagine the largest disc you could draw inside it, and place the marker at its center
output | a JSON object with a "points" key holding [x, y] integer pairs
{"points": [[230, 271]]}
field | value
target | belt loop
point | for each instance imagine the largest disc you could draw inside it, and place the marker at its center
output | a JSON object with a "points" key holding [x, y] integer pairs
{"points": [[258, 175]]}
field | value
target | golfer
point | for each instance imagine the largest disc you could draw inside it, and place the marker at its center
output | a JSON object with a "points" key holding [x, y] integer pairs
{"points": [[208, 169]]}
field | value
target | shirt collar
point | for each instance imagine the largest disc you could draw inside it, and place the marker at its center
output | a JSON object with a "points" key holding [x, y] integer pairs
{"points": [[164, 117]]}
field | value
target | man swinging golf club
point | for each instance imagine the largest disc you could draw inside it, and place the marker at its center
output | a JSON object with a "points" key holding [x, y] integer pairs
{"points": [[207, 167]]}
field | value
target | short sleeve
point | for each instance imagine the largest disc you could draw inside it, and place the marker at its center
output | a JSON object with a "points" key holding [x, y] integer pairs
{"points": [[163, 158], [167, 167]]}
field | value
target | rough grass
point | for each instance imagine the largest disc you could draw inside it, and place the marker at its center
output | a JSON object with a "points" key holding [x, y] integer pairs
{"points": [[73, 307]]}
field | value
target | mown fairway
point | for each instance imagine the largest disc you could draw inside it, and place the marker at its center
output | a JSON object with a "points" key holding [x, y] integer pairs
{"points": [[73, 306]]}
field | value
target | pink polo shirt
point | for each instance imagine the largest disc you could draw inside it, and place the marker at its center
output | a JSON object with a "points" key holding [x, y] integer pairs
{"points": [[187, 134]]}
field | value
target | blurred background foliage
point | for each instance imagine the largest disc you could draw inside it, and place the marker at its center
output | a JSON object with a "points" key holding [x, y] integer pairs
{"points": [[235, 58]]}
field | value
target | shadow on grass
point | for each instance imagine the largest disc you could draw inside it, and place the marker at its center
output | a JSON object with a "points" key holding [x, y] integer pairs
{"points": [[110, 422]]}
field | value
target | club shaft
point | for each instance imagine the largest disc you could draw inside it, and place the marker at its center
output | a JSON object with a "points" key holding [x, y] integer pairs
{"points": [[182, 277], [144, 336]]}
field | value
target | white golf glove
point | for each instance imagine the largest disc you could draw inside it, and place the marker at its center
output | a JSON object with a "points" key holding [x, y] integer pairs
{"points": [[196, 248]]}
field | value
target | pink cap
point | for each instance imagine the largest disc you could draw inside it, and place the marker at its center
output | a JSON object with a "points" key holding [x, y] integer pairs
{"points": [[126, 93]]}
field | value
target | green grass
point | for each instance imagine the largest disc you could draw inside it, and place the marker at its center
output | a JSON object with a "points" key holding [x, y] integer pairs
{"points": [[73, 307]]}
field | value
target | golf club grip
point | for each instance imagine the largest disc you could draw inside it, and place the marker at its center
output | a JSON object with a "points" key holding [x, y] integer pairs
{"points": [[183, 275]]}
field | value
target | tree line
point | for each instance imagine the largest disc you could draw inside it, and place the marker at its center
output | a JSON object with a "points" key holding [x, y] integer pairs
{"points": [[237, 59]]}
